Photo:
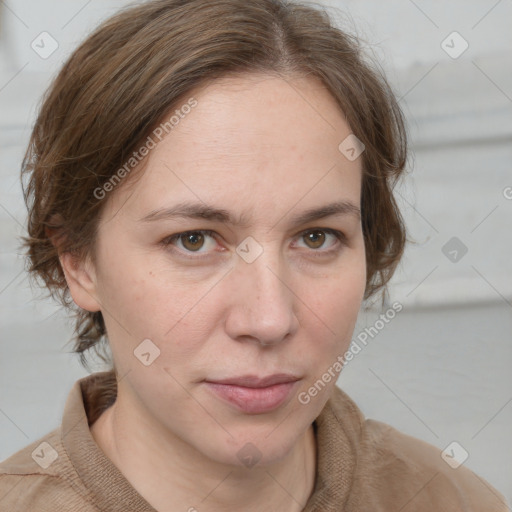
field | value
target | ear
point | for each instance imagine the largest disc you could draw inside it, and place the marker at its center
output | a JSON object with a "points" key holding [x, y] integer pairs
{"points": [[81, 279], [80, 275]]}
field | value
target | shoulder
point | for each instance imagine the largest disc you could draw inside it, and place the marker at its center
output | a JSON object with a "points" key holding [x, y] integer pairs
{"points": [[41, 477], [416, 475]]}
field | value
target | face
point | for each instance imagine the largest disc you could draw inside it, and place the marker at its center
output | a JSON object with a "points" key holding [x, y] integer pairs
{"points": [[219, 322]]}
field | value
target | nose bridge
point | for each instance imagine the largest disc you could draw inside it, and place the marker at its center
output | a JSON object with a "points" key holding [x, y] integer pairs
{"points": [[261, 287], [265, 276]]}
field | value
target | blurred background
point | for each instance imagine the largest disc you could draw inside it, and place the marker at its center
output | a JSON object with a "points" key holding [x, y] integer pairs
{"points": [[438, 370]]}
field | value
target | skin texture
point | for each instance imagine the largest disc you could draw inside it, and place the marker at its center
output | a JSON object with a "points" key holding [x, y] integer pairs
{"points": [[267, 148]]}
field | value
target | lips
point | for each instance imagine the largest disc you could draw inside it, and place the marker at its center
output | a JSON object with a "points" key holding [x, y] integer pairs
{"points": [[253, 381], [253, 394]]}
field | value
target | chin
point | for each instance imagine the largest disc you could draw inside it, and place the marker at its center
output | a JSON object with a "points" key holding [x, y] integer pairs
{"points": [[260, 449]]}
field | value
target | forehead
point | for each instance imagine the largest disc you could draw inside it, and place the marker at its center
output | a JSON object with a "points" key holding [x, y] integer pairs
{"points": [[251, 112], [256, 140]]}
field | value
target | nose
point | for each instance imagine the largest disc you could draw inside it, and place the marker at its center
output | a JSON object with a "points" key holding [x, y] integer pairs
{"points": [[262, 305]]}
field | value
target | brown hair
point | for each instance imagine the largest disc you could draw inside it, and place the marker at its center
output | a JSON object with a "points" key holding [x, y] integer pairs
{"points": [[139, 64]]}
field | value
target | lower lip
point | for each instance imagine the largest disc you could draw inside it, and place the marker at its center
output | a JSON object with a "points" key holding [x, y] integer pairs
{"points": [[254, 400]]}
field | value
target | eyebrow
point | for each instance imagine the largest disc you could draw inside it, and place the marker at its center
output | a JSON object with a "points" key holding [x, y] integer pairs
{"points": [[203, 211]]}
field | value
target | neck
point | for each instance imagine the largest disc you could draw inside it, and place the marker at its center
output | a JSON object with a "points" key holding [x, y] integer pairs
{"points": [[172, 476]]}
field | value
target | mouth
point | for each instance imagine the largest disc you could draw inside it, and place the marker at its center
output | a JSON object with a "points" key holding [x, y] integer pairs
{"points": [[252, 394]]}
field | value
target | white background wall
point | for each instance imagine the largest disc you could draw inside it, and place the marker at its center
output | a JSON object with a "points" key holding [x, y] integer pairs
{"points": [[440, 370]]}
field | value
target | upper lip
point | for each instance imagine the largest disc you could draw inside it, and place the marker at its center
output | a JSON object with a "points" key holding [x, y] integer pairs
{"points": [[254, 381]]}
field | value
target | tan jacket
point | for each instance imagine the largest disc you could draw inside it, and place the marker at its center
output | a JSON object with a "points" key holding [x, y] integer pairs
{"points": [[362, 466]]}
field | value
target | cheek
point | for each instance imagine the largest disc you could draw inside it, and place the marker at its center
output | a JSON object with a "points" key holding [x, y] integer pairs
{"points": [[143, 302], [331, 314], [338, 296], [131, 287]]}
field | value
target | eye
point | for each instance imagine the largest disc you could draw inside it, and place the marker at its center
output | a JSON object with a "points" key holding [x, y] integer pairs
{"points": [[315, 238], [193, 241]]}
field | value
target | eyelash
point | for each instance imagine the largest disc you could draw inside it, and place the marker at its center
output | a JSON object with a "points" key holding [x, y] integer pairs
{"points": [[340, 236]]}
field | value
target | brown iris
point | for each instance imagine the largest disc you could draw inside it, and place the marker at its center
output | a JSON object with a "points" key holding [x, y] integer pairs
{"points": [[193, 241], [316, 237]]}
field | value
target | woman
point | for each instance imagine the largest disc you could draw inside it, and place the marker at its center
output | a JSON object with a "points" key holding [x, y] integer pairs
{"points": [[210, 190]]}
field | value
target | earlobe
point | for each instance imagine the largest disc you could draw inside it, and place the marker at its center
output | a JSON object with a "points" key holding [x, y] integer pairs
{"points": [[81, 280]]}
